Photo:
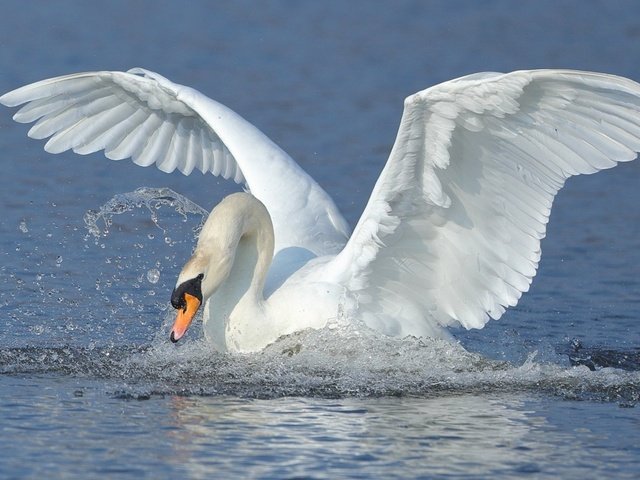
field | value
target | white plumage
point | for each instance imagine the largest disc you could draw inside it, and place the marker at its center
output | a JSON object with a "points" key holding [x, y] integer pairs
{"points": [[451, 233]]}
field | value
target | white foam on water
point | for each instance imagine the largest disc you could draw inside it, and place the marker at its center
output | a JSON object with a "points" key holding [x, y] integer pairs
{"points": [[332, 362]]}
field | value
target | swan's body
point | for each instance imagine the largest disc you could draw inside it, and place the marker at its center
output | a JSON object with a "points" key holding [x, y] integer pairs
{"points": [[450, 236]]}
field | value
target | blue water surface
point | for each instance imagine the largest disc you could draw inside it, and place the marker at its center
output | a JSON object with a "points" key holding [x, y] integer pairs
{"points": [[90, 387]]}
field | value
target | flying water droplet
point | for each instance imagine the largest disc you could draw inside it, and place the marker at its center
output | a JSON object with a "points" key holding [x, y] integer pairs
{"points": [[153, 275], [37, 329], [23, 227], [127, 300]]}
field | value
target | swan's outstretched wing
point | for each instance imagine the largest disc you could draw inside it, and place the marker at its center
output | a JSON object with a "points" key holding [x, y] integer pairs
{"points": [[451, 234], [142, 115]]}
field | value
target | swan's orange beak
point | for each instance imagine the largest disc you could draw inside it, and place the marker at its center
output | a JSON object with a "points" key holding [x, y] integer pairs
{"points": [[184, 318]]}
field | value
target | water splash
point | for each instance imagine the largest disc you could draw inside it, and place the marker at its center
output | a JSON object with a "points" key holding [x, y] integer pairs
{"points": [[147, 197], [329, 363], [596, 358], [138, 241]]}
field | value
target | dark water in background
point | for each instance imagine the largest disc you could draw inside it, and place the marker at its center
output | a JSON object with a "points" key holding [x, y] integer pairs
{"points": [[89, 384]]}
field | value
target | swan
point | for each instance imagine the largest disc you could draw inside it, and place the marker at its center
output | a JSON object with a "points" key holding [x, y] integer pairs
{"points": [[450, 235]]}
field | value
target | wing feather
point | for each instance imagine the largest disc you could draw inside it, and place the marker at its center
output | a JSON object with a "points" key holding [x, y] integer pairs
{"points": [[207, 161], [177, 146], [133, 136], [451, 234], [121, 121], [194, 153], [157, 145]]}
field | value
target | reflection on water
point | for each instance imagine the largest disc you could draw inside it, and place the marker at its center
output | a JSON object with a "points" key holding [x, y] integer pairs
{"points": [[443, 436], [485, 435]]}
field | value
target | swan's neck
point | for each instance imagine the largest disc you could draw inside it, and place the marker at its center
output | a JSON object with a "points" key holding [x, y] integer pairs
{"points": [[240, 268]]}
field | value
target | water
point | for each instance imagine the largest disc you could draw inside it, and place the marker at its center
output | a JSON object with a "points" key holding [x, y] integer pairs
{"points": [[90, 385]]}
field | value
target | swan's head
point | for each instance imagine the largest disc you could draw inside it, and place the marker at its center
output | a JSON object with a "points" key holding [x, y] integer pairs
{"points": [[199, 279], [186, 298]]}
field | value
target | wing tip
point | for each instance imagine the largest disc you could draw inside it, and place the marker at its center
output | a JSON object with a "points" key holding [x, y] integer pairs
{"points": [[12, 98]]}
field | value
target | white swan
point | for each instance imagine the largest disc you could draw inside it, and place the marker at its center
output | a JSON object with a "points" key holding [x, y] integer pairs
{"points": [[450, 236]]}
